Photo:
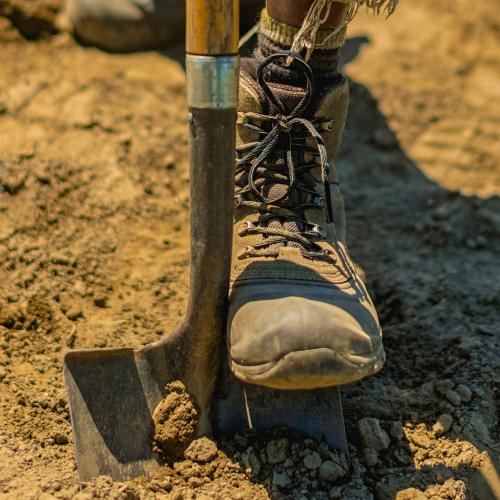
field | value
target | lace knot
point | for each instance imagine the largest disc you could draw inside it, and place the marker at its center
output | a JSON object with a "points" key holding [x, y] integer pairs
{"points": [[283, 123]]}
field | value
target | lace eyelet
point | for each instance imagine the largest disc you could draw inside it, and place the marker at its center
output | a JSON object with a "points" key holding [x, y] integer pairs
{"points": [[246, 252], [238, 200], [327, 125], [245, 228], [319, 202], [315, 231]]}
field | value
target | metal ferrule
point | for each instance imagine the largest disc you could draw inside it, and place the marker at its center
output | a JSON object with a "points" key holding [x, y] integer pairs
{"points": [[212, 81]]}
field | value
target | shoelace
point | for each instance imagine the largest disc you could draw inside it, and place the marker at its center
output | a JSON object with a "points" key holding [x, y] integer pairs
{"points": [[287, 135]]}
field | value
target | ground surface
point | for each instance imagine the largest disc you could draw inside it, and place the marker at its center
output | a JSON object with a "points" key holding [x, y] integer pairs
{"points": [[94, 239]]}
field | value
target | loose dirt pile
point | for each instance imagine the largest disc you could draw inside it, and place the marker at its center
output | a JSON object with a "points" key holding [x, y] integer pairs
{"points": [[175, 419], [94, 232]]}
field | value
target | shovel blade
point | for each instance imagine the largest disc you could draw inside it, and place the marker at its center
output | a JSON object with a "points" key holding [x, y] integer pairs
{"points": [[316, 413], [112, 396]]}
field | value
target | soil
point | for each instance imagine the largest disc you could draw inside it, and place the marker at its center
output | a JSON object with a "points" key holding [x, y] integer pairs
{"points": [[174, 421], [94, 238]]}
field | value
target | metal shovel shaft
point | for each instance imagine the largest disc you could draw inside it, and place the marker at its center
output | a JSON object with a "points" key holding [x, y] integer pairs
{"points": [[212, 67]]}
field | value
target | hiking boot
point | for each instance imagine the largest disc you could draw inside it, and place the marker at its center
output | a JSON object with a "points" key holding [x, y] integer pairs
{"points": [[299, 314]]}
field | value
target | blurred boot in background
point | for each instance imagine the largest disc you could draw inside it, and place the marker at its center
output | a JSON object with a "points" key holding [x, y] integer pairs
{"points": [[130, 25]]}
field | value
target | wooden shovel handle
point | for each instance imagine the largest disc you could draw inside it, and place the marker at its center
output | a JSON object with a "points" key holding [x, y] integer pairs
{"points": [[212, 27]]}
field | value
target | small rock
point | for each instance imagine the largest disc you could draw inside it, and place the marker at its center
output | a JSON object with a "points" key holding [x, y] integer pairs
{"points": [[201, 450], [276, 451], [443, 424], [372, 435], [331, 471], [312, 460], [452, 397], [441, 473], [443, 385], [484, 329], [281, 479], [385, 138], [74, 313], [3, 373], [464, 392], [60, 438], [101, 301], [396, 430], [441, 212], [251, 461], [59, 259], [370, 457], [12, 297]]}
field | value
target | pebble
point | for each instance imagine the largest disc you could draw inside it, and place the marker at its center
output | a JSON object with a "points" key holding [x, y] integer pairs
{"points": [[251, 461], [444, 385], [101, 301], [60, 438], [370, 457], [276, 451], [441, 212], [312, 460], [443, 424], [385, 138], [372, 435], [281, 479], [396, 430], [59, 259], [74, 313], [452, 397], [331, 471], [464, 392]]}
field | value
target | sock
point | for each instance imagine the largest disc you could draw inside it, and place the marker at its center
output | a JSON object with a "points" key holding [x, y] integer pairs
{"points": [[275, 37]]}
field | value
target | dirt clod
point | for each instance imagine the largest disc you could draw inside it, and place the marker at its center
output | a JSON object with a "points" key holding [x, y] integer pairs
{"points": [[175, 419], [201, 450]]}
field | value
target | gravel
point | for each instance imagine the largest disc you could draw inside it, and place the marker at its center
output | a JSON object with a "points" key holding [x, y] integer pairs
{"points": [[330, 471], [372, 435], [277, 450], [443, 424], [312, 460]]}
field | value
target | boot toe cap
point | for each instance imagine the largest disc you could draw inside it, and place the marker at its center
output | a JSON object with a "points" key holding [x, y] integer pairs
{"points": [[302, 336]]}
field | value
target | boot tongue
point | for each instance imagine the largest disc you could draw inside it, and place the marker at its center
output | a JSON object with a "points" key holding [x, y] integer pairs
{"points": [[289, 96]]}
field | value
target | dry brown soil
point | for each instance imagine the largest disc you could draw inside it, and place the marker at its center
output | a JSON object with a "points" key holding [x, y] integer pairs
{"points": [[94, 242]]}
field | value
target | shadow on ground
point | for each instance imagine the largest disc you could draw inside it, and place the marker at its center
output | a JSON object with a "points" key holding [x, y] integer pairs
{"points": [[428, 255]]}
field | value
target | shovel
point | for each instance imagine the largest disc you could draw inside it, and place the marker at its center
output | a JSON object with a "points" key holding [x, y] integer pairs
{"points": [[113, 392]]}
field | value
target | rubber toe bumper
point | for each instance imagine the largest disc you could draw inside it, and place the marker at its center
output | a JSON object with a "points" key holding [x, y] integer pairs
{"points": [[302, 336]]}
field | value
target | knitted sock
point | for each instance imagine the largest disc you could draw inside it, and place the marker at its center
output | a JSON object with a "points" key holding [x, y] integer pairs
{"points": [[275, 37]]}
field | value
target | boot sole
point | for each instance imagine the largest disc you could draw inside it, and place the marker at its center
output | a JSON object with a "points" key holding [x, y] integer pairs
{"points": [[311, 369]]}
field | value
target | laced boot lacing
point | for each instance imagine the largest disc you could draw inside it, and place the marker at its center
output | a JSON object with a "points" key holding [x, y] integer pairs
{"points": [[277, 161]]}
